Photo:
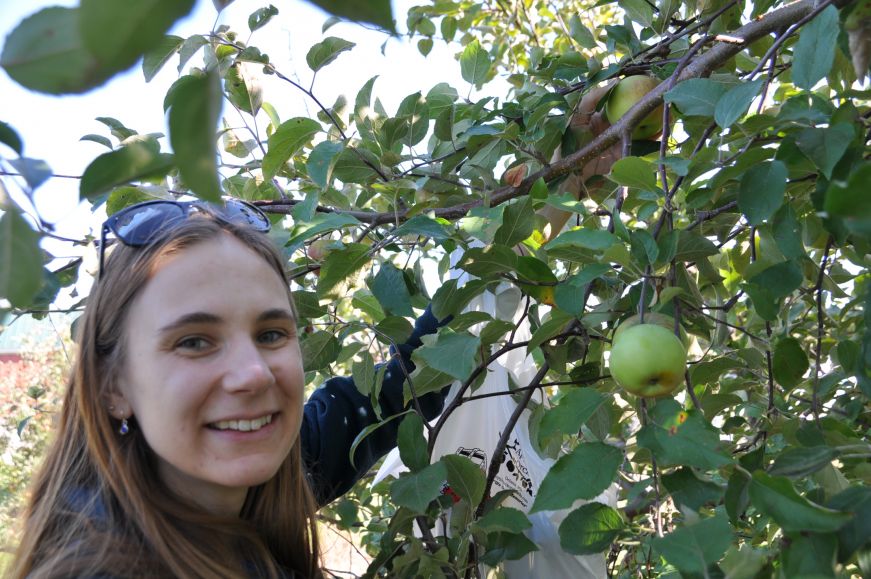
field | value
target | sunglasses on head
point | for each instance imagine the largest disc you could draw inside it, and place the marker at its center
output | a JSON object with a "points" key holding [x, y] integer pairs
{"points": [[140, 224]]}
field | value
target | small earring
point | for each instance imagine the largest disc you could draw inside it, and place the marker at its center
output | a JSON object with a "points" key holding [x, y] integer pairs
{"points": [[125, 428]]}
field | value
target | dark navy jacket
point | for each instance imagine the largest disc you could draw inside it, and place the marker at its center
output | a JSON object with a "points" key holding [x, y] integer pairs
{"points": [[336, 413]]}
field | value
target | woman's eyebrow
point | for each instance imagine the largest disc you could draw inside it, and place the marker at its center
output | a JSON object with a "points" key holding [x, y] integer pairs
{"points": [[189, 319], [276, 314]]}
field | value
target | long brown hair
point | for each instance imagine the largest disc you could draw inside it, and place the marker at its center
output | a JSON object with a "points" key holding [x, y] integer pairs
{"points": [[98, 507]]}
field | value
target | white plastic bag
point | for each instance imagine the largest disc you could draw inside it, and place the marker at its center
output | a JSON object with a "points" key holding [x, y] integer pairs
{"points": [[473, 430]]}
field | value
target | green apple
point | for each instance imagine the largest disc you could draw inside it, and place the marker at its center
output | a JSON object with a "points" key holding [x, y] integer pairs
{"points": [[663, 320], [319, 249], [648, 360], [623, 97]]}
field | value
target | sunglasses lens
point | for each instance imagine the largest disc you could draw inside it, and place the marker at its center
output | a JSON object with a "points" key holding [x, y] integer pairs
{"points": [[141, 223], [244, 214]]}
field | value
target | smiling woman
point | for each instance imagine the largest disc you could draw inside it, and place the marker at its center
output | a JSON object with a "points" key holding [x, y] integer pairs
{"points": [[180, 450]]}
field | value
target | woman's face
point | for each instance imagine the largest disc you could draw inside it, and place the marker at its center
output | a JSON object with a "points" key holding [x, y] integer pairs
{"points": [[213, 372]]}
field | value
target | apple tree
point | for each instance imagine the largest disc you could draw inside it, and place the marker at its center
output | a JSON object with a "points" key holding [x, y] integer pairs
{"points": [[742, 220]]}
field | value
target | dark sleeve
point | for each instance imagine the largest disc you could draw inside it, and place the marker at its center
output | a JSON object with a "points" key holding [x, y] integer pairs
{"points": [[336, 413]]}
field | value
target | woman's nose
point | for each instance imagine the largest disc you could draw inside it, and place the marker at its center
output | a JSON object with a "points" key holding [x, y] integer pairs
{"points": [[246, 369]]}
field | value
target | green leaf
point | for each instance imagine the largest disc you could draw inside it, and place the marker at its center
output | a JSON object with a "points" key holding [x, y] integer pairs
{"points": [[155, 58], [802, 461], [780, 279], [363, 373], [288, 138], [34, 171], [634, 172], [688, 490], [815, 50], [356, 165], [790, 362], [572, 411], [594, 239], [548, 330], [321, 161], [826, 146], [693, 247], [762, 190], [45, 53], [851, 200], [582, 474], [193, 120], [489, 261], [507, 547], [20, 259], [123, 197], [260, 17], [118, 33], [369, 430], [696, 96], [679, 437], [326, 51], [474, 63], [10, 138], [518, 223], [425, 380], [693, 548], [809, 555], [412, 444], [436, 229], [377, 12], [319, 350], [388, 286], [415, 490], [504, 519], [243, 87], [339, 265], [465, 478], [644, 247], [736, 102], [453, 353], [580, 33], [857, 532], [787, 233], [99, 139], [449, 300], [189, 48], [131, 163], [590, 529], [320, 223], [776, 497]]}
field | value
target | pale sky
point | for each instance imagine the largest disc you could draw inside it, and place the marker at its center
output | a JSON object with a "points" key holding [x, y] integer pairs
{"points": [[51, 127]]}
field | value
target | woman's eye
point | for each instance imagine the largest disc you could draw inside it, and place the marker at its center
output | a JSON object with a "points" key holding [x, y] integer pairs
{"points": [[193, 344], [272, 336]]}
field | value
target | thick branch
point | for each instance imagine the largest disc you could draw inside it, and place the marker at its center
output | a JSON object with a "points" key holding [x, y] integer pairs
{"points": [[701, 66]]}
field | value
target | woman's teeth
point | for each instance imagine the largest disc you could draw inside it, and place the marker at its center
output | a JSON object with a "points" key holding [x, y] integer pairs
{"points": [[243, 425]]}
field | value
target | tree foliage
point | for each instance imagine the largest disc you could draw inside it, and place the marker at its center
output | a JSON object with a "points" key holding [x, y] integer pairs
{"points": [[748, 221]]}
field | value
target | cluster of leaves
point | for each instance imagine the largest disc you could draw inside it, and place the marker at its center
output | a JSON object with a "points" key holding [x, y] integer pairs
{"points": [[749, 223]]}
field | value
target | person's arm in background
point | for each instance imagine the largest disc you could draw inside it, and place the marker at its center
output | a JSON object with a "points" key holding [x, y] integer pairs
{"points": [[336, 413], [586, 123]]}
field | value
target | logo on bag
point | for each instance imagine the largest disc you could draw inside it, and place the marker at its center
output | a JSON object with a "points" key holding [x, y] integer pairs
{"points": [[517, 475]]}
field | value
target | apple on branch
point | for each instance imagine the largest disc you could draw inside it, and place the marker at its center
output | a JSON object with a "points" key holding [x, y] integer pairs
{"points": [[648, 360], [623, 97]]}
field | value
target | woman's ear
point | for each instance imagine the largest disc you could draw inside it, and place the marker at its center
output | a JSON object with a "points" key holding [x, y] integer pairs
{"points": [[118, 406]]}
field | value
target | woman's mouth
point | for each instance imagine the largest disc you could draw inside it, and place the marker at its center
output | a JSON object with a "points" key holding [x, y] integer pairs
{"points": [[242, 425]]}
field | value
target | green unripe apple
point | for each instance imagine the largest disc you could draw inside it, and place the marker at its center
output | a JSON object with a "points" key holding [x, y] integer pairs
{"points": [[663, 320], [319, 249], [623, 97], [648, 360]]}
